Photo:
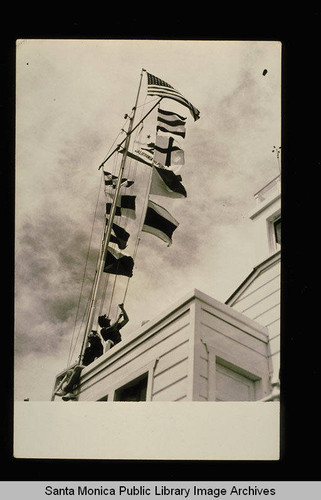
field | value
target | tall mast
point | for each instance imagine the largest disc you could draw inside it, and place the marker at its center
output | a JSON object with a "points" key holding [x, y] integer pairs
{"points": [[98, 275]]}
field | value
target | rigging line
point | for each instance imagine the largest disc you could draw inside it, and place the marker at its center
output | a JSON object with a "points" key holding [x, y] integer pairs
{"points": [[146, 103], [108, 189], [137, 137], [93, 283], [142, 217], [143, 213], [109, 227], [106, 280], [105, 285], [133, 163], [82, 322], [80, 327], [128, 134], [103, 297], [126, 290], [86, 311], [130, 161], [132, 166], [146, 198], [128, 175], [132, 169], [112, 295], [85, 269], [119, 133]]}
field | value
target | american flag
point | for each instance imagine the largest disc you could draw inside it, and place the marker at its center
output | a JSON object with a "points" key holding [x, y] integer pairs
{"points": [[156, 86]]}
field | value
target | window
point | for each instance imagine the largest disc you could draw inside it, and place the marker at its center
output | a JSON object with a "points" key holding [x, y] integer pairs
{"points": [[274, 231], [233, 386], [277, 231], [135, 390]]}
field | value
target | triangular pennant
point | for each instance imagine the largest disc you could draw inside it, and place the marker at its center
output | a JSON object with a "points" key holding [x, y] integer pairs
{"points": [[119, 236]]}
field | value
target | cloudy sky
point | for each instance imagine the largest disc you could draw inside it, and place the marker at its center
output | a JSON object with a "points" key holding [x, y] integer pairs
{"points": [[72, 96]]}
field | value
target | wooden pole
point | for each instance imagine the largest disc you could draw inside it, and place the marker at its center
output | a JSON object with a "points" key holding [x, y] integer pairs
{"points": [[109, 228]]}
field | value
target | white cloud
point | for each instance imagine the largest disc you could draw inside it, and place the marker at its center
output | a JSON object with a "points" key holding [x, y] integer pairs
{"points": [[71, 101]]}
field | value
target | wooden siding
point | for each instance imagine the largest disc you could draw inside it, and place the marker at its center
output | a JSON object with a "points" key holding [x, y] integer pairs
{"points": [[170, 374], [200, 350], [231, 355], [260, 300], [161, 350]]}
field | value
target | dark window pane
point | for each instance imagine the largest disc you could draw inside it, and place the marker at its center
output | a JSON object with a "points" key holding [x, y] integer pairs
{"points": [[133, 391], [277, 231]]}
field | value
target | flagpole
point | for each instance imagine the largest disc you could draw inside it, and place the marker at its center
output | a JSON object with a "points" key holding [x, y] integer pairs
{"points": [[110, 225]]}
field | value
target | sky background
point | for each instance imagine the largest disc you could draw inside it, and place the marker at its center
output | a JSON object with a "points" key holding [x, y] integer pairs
{"points": [[71, 98]]}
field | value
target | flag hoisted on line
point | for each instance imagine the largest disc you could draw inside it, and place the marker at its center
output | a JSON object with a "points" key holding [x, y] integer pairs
{"points": [[119, 236], [156, 86], [167, 152], [171, 123], [118, 263], [126, 206], [111, 180], [164, 182], [159, 222], [140, 155]]}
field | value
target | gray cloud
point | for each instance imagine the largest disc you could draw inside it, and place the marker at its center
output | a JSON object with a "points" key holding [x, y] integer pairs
{"points": [[71, 100]]}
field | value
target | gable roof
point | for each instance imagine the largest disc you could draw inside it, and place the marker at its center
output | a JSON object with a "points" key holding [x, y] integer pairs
{"points": [[257, 270]]}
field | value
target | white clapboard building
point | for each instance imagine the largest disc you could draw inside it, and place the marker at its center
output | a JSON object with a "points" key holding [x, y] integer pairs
{"points": [[258, 297], [201, 349]]}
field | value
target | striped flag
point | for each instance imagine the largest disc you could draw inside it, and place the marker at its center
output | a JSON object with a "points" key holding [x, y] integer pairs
{"points": [[159, 222], [171, 123], [156, 86], [111, 180]]}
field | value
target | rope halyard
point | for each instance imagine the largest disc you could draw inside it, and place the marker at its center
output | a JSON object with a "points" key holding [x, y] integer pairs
{"points": [[131, 167], [98, 283], [71, 350]]}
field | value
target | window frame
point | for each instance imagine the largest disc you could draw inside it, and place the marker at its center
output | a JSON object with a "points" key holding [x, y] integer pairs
{"points": [[131, 383], [274, 246], [147, 368], [277, 221]]}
